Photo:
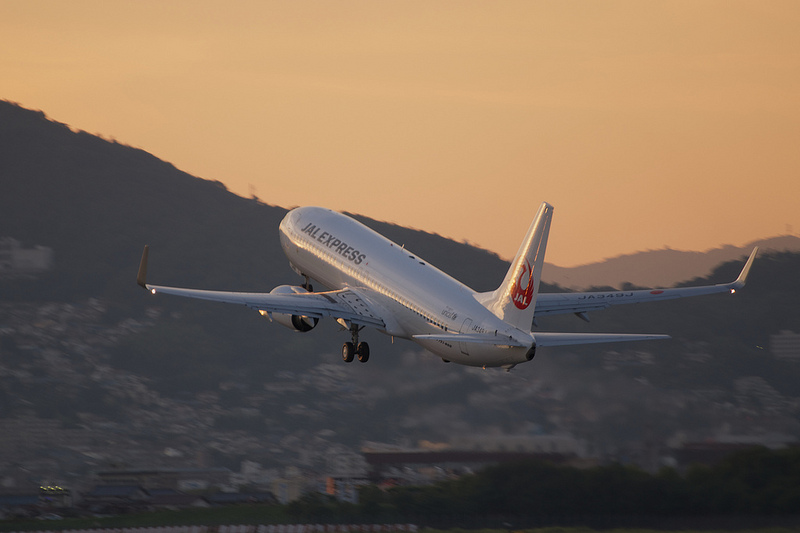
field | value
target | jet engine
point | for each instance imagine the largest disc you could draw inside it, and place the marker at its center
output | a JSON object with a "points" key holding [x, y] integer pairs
{"points": [[531, 353], [295, 322]]}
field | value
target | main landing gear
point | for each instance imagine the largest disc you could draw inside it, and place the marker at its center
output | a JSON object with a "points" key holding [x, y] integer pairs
{"points": [[352, 349], [349, 349]]}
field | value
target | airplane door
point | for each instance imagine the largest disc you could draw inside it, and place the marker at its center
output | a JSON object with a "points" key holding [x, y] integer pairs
{"points": [[465, 329]]}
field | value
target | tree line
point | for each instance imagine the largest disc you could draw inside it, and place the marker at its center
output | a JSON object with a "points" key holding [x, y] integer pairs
{"points": [[758, 482]]}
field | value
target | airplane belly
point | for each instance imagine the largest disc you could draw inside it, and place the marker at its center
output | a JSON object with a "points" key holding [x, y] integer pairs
{"points": [[480, 355], [446, 350]]}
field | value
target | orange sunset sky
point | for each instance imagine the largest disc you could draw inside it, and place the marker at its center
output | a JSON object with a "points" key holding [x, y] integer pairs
{"points": [[645, 123]]}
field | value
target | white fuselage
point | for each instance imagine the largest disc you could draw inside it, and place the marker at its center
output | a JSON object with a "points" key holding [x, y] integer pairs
{"points": [[416, 297]]}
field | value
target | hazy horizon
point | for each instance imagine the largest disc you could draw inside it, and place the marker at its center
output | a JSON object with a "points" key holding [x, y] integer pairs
{"points": [[647, 126]]}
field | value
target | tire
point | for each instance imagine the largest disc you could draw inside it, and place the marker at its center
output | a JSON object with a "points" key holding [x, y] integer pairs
{"points": [[363, 352], [348, 352]]}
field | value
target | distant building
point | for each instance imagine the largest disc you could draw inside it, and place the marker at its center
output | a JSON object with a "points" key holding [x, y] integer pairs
{"points": [[545, 444], [173, 478], [785, 345], [114, 498], [17, 261], [252, 474], [344, 489], [289, 487], [347, 471], [235, 498]]}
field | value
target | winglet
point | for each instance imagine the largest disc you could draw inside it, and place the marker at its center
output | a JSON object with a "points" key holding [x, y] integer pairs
{"points": [[141, 277], [739, 283]]}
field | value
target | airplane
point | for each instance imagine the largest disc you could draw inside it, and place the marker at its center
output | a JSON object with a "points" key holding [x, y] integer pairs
{"points": [[377, 283]]}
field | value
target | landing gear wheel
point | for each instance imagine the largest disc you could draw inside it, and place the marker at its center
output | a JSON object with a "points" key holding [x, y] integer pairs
{"points": [[348, 352], [363, 352]]}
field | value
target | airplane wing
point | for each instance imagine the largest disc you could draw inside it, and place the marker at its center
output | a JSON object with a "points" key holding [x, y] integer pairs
{"points": [[583, 302], [346, 304]]}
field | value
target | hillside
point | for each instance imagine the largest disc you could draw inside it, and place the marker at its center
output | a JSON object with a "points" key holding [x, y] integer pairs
{"points": [[84, 346], [97, 202]]}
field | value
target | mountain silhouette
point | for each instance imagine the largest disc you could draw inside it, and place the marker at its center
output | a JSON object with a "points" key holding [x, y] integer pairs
{"points": [[96, 203]]}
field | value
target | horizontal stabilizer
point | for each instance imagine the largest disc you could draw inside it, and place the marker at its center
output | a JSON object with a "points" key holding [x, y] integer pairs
{"points": [[567, 339]]}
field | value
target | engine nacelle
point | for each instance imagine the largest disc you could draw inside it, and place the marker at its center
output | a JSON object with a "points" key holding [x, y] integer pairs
{"points": [[531, 353], [295, 322]]}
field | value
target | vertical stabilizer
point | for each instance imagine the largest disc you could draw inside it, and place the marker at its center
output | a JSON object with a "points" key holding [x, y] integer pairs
{"points": [[515, 300]]}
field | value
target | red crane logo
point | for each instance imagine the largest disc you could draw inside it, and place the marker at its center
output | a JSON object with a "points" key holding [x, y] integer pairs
{"points": [[521, 290]]}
